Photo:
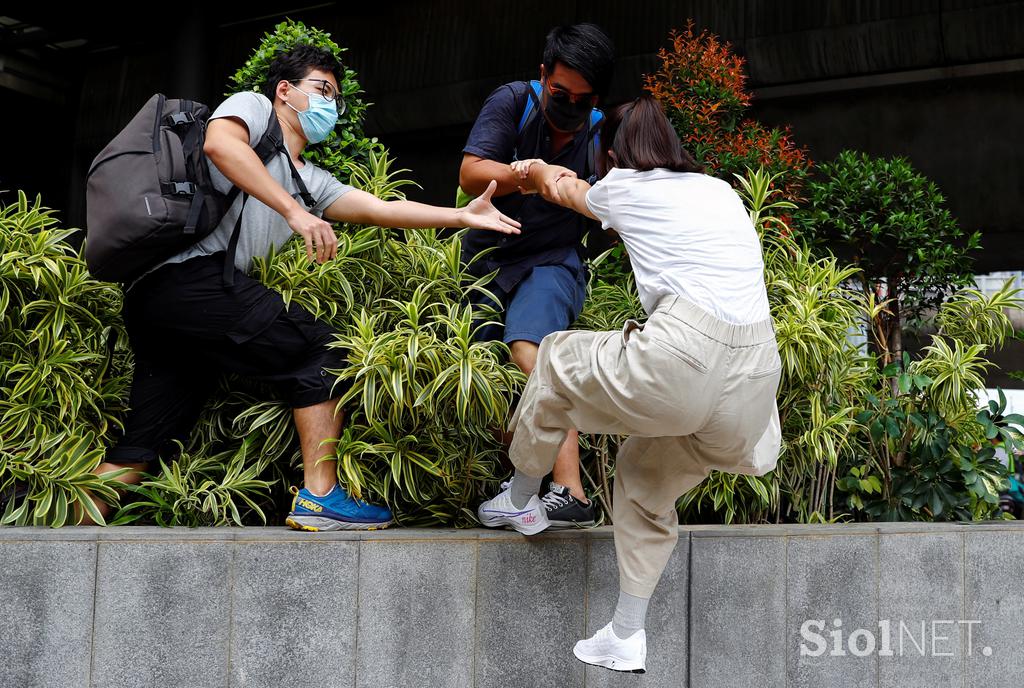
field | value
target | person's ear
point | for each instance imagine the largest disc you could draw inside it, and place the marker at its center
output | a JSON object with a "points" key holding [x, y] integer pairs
{"points": [[283, 87], [613, 157], [543, 73]]}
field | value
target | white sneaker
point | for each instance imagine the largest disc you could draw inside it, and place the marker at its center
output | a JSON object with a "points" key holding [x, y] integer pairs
{"points": [[605, 649], [498, 512]]}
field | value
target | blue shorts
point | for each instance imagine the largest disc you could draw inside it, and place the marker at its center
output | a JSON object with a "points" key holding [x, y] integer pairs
{"points": [[548, 299]]}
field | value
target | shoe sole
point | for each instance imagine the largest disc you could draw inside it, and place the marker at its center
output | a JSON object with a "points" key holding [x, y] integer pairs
{"points": [[611, 663], [318, 524], [563, 525], [499, 522]]}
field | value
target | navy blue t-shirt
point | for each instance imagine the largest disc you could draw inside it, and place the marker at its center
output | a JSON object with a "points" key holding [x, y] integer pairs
{"points": [[549, 232]]}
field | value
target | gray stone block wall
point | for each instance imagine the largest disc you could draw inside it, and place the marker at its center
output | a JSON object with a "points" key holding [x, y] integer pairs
{"points": [[417, 613], [831, 577], [921, 581], [737, 611], [128, 607], [994, 594], [293, 612], [531, 594], [46, 611]]}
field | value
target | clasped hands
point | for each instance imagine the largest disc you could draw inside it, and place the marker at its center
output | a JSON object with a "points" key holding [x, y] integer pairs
{"points": [[536, 176]]}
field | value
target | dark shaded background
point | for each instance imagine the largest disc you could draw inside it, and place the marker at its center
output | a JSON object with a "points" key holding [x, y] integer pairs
{"points": [[939, 81]]}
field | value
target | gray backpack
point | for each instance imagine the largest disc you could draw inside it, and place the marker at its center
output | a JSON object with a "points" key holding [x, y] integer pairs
{"points": [[149, 194]]}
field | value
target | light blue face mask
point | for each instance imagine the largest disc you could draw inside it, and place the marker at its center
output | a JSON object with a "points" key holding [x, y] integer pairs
{"points": [[318, 120]]}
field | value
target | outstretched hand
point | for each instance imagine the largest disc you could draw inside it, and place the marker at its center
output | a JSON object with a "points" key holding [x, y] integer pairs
{"points": [[481, 214]]}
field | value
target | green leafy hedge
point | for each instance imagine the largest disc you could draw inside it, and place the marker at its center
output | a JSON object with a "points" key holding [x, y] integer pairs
{"points": [[63, 369], [425, 403], [347, 148]]}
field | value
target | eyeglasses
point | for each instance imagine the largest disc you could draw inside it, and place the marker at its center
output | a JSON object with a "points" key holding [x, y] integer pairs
{"points": [[328, 91], [559, 94]]}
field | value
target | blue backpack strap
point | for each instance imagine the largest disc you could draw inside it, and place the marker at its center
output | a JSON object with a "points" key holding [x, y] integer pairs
{"points": [[532, 105], [596, 117]]}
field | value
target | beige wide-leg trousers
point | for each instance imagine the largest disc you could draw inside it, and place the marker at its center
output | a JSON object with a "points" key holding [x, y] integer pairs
{"points": [[693, 392]]}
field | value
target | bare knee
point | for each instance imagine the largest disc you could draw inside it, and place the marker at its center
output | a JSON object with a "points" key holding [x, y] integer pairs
{"points": [[131, 477], [524, 355]]}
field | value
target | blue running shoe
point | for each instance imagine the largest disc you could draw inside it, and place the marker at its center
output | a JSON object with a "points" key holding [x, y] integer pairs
{"points": [[335, 511]]}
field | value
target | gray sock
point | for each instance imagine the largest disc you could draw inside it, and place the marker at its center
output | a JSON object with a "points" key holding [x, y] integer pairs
{"points": [[629, 615], [523, 487]]}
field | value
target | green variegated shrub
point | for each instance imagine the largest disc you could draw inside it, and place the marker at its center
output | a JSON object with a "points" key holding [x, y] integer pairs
{"points": [[62, 372], [424, 403]]}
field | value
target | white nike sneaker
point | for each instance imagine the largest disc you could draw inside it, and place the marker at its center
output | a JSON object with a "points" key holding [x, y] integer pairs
{"points": [[605, 649], [498, 512]]}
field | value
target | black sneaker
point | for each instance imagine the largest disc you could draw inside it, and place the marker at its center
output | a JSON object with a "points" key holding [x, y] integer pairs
{"points": [[565, 511]]}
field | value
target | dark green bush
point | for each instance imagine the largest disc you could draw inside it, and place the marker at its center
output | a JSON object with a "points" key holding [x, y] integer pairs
{"points": [[892, 223], [347, 148]]}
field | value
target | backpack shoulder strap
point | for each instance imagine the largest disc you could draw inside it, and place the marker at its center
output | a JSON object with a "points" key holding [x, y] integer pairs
{"points": [[269, 145], [532, 105], [192, 115], [594, 147]]}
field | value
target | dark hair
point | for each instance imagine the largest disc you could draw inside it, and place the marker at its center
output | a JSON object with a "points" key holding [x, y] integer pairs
{"points": [[585, 48], [297, 63], [643, 139]]}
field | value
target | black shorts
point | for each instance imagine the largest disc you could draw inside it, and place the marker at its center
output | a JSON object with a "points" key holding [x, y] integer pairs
{"points": [[186, 328]]}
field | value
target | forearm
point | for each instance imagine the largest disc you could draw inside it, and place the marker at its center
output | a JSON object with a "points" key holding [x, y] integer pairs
{"points": [[413, 215], [572, 194], [476, 173], [243, 168], [361, 208], [558, 185]]}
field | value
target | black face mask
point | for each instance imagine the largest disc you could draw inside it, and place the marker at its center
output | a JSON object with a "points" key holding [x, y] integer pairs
{"points": [[565, 115]]}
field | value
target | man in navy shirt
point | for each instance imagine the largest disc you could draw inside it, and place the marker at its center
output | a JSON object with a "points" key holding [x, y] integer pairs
{"points": [[541, 281]]}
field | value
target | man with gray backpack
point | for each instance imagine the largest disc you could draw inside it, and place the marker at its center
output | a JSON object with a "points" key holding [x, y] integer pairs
{"points": [[184, 249]]}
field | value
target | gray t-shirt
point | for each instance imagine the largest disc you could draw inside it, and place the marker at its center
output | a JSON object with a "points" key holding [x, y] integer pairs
{"points": [[262, 227]]}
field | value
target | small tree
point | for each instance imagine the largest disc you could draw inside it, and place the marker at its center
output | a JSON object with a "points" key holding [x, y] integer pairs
{"points": [[894, 224], [702, 86]]}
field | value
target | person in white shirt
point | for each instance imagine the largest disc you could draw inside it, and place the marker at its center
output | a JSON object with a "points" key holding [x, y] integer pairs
{"points": [[694, 386]]}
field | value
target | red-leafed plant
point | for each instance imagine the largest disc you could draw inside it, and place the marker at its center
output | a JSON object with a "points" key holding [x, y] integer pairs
{"points": [[702, 86]]}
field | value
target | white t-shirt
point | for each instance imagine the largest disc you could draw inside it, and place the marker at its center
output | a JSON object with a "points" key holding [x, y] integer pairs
{"points": [[687, 235]]}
